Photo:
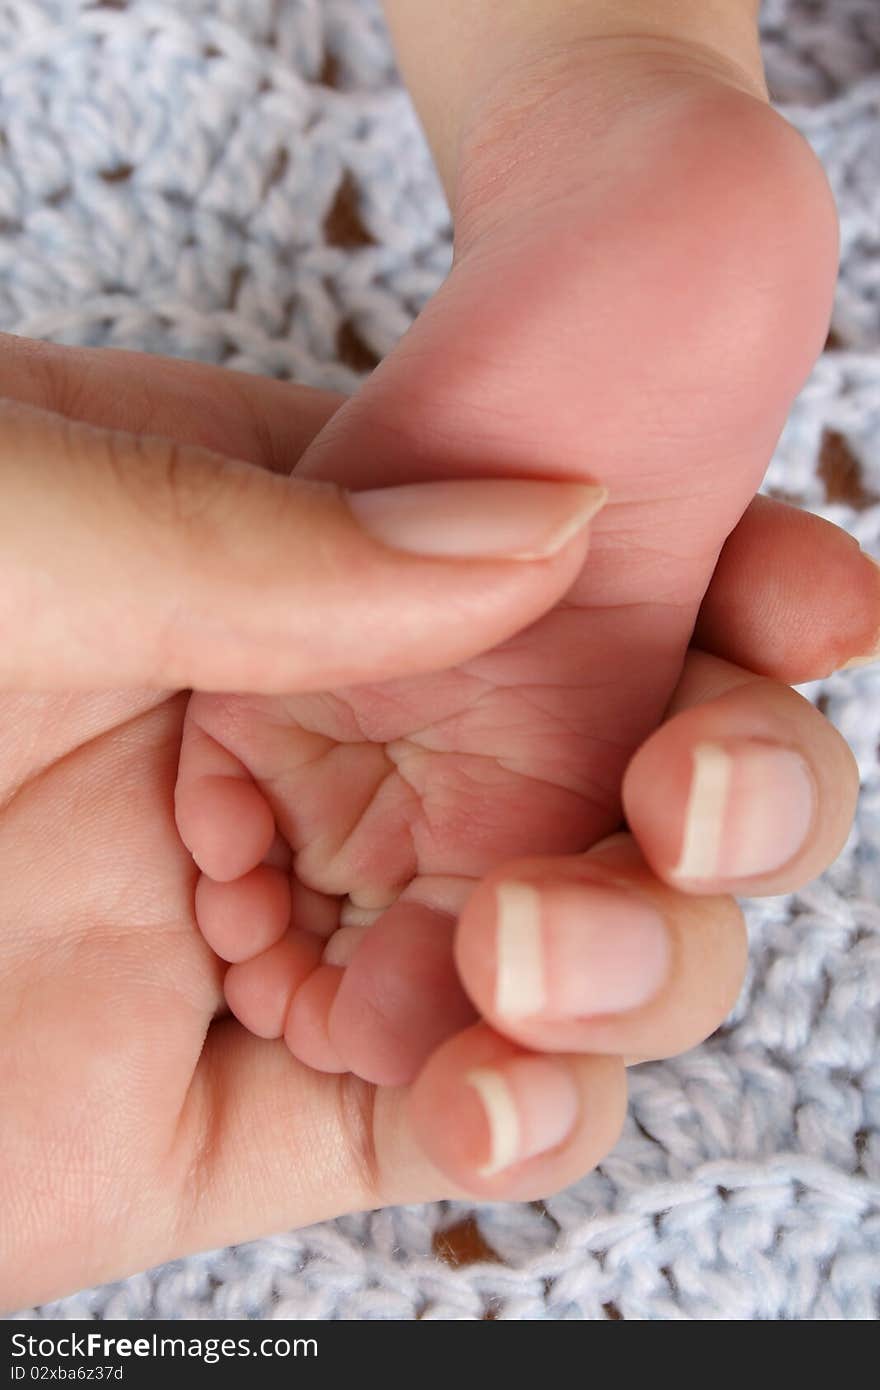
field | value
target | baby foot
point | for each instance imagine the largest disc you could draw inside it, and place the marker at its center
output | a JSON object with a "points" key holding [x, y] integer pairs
{"points": [[645, 256]]}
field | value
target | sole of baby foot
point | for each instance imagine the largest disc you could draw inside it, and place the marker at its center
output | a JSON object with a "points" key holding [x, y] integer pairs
{"points": [[639, 308]]}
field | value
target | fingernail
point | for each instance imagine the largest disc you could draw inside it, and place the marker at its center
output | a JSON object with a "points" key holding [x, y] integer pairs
{"points": [[749, 810], [873, 654], [530, 1106], [503, 519], [576, 950]]}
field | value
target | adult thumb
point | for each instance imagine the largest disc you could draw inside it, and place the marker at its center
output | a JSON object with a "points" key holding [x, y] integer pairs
{"points": [[128, 560]]}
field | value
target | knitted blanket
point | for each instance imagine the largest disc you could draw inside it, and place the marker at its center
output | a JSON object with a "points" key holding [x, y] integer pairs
{"points": [[243, 181]]}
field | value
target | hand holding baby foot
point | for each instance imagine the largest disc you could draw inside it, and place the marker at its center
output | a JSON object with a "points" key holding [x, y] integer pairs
{"points": [[108, 996], [138, 557], [636, 300]]}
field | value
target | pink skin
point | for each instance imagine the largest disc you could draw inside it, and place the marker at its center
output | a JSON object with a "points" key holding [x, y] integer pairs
{"points": [[644, 321], [568, 1110], [379, 1010]]}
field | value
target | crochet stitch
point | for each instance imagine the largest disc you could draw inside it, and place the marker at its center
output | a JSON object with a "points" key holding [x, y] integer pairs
{"points": [[244, 182]]}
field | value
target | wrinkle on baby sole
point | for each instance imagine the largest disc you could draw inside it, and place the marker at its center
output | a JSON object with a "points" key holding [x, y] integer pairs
{"points": [[320, 864]]}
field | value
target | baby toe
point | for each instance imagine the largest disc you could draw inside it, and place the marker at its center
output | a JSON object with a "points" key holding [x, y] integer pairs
{"points": [[400, 995], [244, 918], [222, 817], [259, 991], [307, 1032]]}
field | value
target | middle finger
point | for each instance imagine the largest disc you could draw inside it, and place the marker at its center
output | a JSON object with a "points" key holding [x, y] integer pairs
{"points": [[593, 954]]}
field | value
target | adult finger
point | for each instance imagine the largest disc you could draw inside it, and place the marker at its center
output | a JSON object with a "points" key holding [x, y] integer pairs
{"points": [[593, 954], [745, 789], [255, 418], [135, 560], [633, 947], [792, 596]]}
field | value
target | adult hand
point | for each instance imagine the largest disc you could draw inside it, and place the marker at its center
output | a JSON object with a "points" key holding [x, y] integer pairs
{"points": [[138, 1125]]}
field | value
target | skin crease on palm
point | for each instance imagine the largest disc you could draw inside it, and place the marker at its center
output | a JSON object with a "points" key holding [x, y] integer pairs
{"points": [[637, 309], [140, 1123]]}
